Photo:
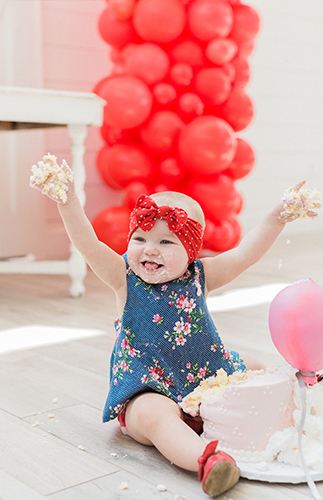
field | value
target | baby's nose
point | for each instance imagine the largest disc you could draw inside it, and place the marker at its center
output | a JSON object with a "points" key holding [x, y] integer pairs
{"points": [[151, 249]]}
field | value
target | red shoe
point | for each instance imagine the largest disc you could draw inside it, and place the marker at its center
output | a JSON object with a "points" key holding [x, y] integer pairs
{"points": [[217, 470]]}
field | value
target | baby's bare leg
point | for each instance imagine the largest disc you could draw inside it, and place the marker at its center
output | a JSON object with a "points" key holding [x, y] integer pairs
{"points": [[251, 362], [155, 420]]}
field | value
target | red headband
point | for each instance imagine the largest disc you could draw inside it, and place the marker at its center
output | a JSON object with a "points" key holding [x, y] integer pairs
{"points": [[189, 231]]}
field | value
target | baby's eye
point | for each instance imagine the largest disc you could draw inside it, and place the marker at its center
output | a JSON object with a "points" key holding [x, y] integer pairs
{"points": [[166, 242], [139, 238]]}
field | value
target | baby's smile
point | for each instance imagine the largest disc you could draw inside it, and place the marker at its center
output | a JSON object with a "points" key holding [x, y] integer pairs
{"points": [[151, 266]]}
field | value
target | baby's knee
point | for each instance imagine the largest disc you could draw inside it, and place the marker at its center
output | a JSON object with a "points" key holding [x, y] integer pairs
{"points": [[148, 408]]}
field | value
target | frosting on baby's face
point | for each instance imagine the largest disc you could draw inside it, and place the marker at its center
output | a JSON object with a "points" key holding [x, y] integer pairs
{"points": [[157, 256]]}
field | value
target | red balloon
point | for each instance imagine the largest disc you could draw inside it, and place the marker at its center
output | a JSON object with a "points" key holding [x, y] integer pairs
{"points": [[239, 202], [171, 171], [242, 72], [207, 145], [133, 191], [148, 62], [124, 163], [190, 106], [100, 85], [219, 235], [189, 52], [213, 85], [112, 135], [129, 101], [114, 31], [164, 94], [122, 9], [243, 161], [111, 226], [159, 20], [181, 74], [229, 71], [218, 197], [208, 19], [296, 325], [246, 48], [246, 23], [160, 133], [237, 110], [221, 50], [101, 160]]}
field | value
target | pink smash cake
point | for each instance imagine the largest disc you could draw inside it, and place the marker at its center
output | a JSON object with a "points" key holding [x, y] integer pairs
{"points": [[255, 416]]}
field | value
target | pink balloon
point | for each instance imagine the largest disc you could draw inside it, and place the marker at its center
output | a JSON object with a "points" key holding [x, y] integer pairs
{"points": [[129, 101], [147, 61], [159, 20], [207, 145], [160, 133], [296, 325], [213, 86], [208, 19]]}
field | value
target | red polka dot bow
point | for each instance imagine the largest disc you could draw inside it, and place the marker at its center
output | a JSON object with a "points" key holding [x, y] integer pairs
{"points": [[189, 231]]}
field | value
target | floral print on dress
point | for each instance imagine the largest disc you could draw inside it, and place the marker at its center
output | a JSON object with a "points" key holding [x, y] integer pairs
{"points": [[125, 357], [158, 374], [196, 373], [115, 411], [166, 341]]}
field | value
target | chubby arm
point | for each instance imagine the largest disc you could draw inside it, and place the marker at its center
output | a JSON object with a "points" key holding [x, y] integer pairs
{"points": [[224, 268], [109, 266], [57, 183]]}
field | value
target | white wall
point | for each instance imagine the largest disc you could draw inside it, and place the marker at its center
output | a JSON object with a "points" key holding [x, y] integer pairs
{"points": [[286, 88], [21, 221]]}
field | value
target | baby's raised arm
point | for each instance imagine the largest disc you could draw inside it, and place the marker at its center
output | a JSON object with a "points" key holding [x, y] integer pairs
{"points": [[296, 203], [57, 183]]}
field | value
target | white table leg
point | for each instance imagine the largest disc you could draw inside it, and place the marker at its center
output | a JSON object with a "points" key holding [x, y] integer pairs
{"points": [[77, 264]]}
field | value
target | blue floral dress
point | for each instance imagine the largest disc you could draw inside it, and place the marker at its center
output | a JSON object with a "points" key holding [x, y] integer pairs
{"points": [[166, 341]]}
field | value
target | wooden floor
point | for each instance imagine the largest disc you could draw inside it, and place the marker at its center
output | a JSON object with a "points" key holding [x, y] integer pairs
{"points": [[53, 444]]}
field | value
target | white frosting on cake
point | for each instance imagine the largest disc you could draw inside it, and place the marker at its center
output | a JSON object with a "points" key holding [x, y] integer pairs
{"points": [[249, 411], [256, 416], [283, 445]]}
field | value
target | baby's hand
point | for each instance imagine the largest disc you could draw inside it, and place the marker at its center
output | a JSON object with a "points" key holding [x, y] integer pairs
{"points": [[53, 180], [299, 203]]}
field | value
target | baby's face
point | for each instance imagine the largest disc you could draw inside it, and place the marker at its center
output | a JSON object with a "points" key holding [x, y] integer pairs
{"points": [[157, 256]]}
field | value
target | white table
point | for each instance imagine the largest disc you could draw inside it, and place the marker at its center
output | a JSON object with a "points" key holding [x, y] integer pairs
{"points": [[22, 108]]}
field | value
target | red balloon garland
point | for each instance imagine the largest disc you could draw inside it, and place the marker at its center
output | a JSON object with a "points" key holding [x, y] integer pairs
{"points": [[175, 102]]}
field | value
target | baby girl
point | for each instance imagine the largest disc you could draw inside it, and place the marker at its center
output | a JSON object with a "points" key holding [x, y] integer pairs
{"points": [[166, 340]]}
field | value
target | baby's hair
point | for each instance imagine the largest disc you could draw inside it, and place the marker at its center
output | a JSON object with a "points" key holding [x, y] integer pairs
{"points": [[180, 200]]}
